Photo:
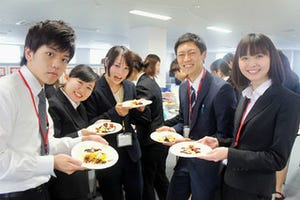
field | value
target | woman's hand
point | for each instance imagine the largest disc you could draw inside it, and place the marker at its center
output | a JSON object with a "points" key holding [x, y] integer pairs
{"points": [[217, 154], [96, 138], [122, 111], [209, 141]]}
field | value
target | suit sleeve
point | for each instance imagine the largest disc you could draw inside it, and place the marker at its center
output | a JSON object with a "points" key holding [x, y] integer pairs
{"points": [[225, 105]]}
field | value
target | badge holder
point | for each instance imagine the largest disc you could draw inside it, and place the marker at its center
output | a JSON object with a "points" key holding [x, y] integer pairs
{"points": [[125, 138]]}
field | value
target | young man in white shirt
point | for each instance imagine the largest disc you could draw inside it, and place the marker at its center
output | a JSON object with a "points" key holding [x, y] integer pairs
{"points": [[28, 151]]}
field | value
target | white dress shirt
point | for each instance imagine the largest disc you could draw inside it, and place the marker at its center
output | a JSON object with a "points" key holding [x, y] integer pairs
{"points": [[21, 165]]}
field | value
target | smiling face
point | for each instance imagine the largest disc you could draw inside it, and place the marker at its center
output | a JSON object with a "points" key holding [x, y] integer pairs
{"points": [[118, 71], [47, 64], [190, 59], [255, 68], [78, 90]]}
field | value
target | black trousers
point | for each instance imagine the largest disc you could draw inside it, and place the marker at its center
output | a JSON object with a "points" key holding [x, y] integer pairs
{"points": [[39, 193], [230, 193]]}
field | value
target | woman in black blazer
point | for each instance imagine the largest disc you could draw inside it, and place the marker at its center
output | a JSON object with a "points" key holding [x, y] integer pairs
{"points": [[154, 155], [70, 118], [105, 103], [266, 123]]}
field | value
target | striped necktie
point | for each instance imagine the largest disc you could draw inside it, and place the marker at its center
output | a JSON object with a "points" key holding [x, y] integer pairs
{"points": [[193, 96]]}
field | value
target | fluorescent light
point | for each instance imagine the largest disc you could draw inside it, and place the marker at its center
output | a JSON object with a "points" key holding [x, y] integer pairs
{"points": [[214, 28], [148, 14]]}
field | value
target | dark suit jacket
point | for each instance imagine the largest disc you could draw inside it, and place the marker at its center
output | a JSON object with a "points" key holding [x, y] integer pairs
{"points": [[147, 88], [67, 121], [265, 141], [213, 115], [101, 105]]}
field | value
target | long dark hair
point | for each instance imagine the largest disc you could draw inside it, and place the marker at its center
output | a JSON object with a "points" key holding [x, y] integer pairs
{"points": [[255, 44]]}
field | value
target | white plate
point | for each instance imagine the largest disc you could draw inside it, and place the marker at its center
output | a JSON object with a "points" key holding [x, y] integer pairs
{"points": [[160, 136], [177, 149], [96, 126], [131, 103], [78, 152]]}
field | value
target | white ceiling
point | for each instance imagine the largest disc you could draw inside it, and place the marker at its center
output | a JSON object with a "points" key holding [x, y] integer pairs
{"points": [[108, 21]]}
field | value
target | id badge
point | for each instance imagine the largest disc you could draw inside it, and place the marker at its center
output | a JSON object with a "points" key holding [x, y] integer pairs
{"points": [[124, 139], [186, 131]]}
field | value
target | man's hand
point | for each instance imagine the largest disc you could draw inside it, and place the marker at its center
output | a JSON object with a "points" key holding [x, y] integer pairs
{"points": [[217, 154], [209, 141], [165, 128], [67, 164]]}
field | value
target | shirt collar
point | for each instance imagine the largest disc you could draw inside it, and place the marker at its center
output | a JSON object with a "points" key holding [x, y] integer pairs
{"points": [[74, 104], [31, 80], [197, 80], [255, 94]]}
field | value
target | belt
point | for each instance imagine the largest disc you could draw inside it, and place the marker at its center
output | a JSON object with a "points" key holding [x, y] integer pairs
{"points": [[37, 189]]}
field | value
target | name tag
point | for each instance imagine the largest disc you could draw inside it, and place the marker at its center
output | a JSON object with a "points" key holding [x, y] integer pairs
{"points": [[124, 139], [186, 131]]}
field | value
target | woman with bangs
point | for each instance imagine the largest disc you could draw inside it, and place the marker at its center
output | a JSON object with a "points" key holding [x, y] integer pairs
{"points": [[266, 123], [106, 103]]}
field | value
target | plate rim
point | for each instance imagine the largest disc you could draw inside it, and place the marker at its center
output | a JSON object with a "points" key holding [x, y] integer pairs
{"points": [[160, 132], [147, 102], [96, 166], [118, 126], [187, 143]]}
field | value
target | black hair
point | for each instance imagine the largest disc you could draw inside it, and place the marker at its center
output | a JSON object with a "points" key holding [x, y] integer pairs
{"points": [[191, 37], [253, 44], [116, 51], [221, 65], [174, 67], [84, 73], [228, 57], [54, 33], [137, 62]]}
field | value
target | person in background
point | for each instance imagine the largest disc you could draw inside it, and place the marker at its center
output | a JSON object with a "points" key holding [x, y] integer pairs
{"points": [[223, 70], [210, 114], [228, 58], [177, 72], [28, 151], [291, 82], [266, 123], [106, 103], [154, 155], [70, 120]]}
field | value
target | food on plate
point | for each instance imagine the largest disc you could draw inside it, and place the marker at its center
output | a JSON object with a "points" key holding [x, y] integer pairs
{"points": [[94, 156], [190, 149], [136, 102], [105, 128], [166, 138]]}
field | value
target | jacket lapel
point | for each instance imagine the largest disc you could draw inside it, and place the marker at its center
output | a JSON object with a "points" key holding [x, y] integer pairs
{"points": [[109, 97]]}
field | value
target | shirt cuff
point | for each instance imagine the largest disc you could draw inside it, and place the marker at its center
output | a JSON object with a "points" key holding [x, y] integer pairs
{"points": [[46, 165], [79, 133]]}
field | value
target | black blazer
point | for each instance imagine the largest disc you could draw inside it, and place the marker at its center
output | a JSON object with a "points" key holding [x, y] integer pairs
{"points": [[101, 105], [213, 115], [265, 141], [67, 121], [147, 88]]}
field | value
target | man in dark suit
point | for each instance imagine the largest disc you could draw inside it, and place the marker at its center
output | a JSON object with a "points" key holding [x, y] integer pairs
{"points": [[211, 113]]}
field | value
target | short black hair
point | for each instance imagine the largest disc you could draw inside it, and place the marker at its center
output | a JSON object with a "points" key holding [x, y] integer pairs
{"points": [[84, 73], [54, 33], [191, 37]]}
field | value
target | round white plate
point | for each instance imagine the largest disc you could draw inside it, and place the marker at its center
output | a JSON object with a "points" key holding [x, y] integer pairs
{"points": [[178, 149], [78, 153], [130, 103], [160, 136], [116, 129]]}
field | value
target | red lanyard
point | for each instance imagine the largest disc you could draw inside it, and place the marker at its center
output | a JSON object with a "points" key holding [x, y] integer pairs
{"points": [[196, 93], [241, 124], [44, 136]]}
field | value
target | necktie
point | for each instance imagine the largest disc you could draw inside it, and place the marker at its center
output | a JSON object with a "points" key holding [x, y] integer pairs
{"points": [[193, 96], [43, 122]]}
